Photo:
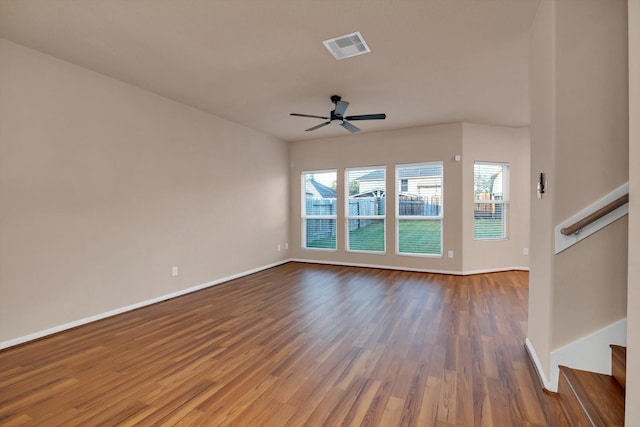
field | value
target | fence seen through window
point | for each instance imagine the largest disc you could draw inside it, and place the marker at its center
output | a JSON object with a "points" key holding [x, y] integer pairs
{"points": [[418, 205]]}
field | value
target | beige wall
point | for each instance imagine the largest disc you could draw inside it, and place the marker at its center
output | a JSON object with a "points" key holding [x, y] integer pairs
{"points": [[505, 145], [633, 301], [420, 144], [104, 187], [579, 139], [542, 81], [592, 150]]}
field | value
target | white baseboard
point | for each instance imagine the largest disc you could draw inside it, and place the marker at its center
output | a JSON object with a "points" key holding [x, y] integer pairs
{"points": [[493, 270], [384, 267], [419, 270], [80, 322], [536, 362], [589, 353]]}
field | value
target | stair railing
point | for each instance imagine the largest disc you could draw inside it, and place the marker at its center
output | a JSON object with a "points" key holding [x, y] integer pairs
{"points": [[578, 226], [594, 217]]}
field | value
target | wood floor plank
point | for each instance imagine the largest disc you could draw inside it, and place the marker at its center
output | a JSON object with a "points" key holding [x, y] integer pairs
{"points": [[295, 345]]}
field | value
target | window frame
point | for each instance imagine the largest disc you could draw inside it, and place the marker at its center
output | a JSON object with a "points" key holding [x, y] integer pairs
{"points": [[305, 216], [349, 217], [399, 218], [505, 201]]}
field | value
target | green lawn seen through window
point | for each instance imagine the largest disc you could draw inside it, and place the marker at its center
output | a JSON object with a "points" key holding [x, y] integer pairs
{"points": [[416, 236], [488, 228], [368, 238], [322, 243], [420, 237]]}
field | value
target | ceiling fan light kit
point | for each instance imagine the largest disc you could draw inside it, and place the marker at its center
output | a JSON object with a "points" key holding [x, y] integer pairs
{"points": [[338, 114]]}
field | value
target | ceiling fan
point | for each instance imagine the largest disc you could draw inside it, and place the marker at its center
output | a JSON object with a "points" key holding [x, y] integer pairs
{"points": [[338, 114]]}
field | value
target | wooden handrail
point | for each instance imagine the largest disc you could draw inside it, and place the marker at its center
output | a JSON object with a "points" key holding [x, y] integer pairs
{"points": [[575, 228]]}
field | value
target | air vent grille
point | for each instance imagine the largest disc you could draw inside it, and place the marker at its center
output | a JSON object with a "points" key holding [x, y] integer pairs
{"points": [[347, 46]]}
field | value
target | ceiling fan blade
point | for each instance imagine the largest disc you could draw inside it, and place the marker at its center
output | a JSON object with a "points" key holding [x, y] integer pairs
{"points": [[319, 126], [348, 126], [341, 107], [367, 117], [309, 115]]}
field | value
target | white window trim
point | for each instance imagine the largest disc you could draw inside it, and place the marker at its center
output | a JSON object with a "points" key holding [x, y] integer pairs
{"points": [[415, 217], [357, 217], [305, 217], [505, 202]]}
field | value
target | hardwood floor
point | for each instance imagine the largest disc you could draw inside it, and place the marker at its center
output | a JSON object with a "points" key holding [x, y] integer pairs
{"points": [[295, 345]]}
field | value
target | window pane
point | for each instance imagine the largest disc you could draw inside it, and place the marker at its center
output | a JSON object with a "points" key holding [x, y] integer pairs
{"points": [[419, 206], [321, 233], [490, 182], [420, 190], [320, 193], [489, 221], [420, 237], [319, 201], [320, 206], [367, 186], [366, 206], [366, 182], [366, 235], [419, 196]]}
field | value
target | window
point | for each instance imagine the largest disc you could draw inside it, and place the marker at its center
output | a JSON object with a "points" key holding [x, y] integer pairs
{"points": [[419, 209], [491, 191], [365, 213], [319, 210]]}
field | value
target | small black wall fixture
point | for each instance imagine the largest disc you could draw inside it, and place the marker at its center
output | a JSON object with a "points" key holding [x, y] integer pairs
{"points": [[540, 187]]}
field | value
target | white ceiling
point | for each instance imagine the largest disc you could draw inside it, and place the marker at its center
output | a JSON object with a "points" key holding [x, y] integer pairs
{"points": [[255, 61]]}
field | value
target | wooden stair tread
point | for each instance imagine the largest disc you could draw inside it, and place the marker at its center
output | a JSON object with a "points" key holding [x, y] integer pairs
{"points": [[599, 396], [619, 364]]}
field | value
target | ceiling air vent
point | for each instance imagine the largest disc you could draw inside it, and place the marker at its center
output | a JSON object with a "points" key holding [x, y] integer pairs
{"points": [[347, 46]]}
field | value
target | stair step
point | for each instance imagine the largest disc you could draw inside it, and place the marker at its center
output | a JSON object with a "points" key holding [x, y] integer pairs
{"points": [[619, 364], [591, 399]]}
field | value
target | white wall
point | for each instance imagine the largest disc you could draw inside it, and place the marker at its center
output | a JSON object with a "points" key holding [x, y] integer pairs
{"points": [[104, 187]]}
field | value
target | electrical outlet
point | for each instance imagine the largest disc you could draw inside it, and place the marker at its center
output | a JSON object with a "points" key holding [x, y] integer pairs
{"points": [[450, 254], [525, 251], [278, 248], [174, 271], [286, 245]]}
